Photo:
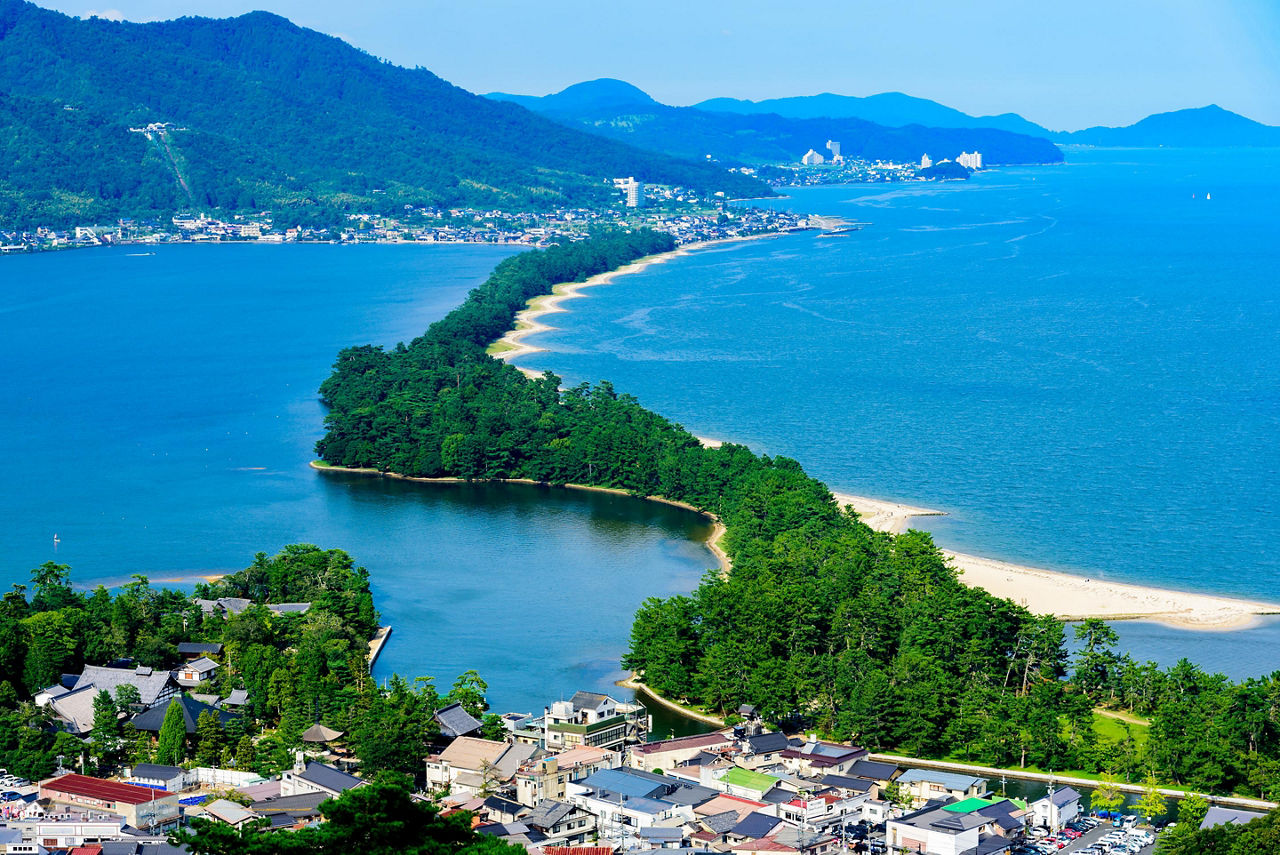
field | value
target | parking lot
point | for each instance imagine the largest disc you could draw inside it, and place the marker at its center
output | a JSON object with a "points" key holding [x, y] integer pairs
{"points": [[1089, 838]]}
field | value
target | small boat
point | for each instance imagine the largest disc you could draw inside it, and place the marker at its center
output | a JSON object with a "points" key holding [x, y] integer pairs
{"points": [[1208, 197], [56, 541]]}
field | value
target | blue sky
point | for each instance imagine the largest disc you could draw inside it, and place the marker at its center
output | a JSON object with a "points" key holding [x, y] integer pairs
{"points": [[1064, 65]]}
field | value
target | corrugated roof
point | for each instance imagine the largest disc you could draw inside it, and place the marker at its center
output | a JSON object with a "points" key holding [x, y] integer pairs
{"points": [[755, 825], [96, 788], [701, 740], [950, 780]]}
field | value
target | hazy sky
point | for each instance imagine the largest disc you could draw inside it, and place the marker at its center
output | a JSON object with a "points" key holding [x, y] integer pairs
{"points": [[1065, 65]]}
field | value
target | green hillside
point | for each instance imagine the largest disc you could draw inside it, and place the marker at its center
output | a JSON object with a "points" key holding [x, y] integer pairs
{"points": [[268, 115]]}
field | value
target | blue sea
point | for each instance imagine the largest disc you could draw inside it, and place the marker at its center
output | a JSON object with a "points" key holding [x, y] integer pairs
{"points": [[1076, 363], [158, 410]]}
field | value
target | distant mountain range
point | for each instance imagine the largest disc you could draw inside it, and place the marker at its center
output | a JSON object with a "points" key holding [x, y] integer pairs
{"points": [[263, 114], [893, 109], [617, 110], [1209, 126]]}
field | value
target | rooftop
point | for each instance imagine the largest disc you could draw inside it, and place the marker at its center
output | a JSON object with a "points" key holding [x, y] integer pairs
{"points": [[950, 780], [97, 788]]}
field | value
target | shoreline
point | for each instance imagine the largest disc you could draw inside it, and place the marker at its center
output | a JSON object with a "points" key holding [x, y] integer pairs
{"points": [[1066, 596], [513, 345]]}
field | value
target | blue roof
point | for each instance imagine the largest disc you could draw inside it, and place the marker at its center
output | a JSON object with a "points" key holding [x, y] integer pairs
{"points": [[622, 781], [755, 825]]}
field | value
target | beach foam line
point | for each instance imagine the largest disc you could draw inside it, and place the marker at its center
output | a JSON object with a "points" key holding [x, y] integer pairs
{"points": [[513, 344]]}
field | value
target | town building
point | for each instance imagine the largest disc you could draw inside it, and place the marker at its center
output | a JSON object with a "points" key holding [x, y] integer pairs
{"points": [[924, 785], [926, 162], [171, 779], [547, 777], [812, 158], [153, 719], [153, 686], [1056, 809], [592, 719], [972, 161], [320, 778], [476, 765], [956, 827], [821, 758], [670, 753], [195, 672], [142, 807]]}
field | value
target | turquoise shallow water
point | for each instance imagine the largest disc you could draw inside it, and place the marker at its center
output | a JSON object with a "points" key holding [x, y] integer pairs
{"points": [[1077, 362], [158, 412]]}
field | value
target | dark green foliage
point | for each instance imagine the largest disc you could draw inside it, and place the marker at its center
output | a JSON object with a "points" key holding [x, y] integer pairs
{"points": [[379, 819], [171, 745], [1260, 836], [822, 621], [274, 117]]}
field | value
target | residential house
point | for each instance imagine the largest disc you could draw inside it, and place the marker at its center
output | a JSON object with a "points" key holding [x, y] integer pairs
{"points": [[972, 826], [1056, 808], [625, 799], [874, 770], [558, 823], [63, 829], [292, 811], [763, 749], [311, 777], [670, 753], [195, 672], [477, 765], [825, 810], [171, 779], [924, 785], [547, 777], [662, 837], [821, 758], [141, 807], [229, 813]]}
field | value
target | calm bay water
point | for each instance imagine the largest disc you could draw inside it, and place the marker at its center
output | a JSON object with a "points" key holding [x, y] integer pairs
{"points": [[158, 412], [1077, 363]]}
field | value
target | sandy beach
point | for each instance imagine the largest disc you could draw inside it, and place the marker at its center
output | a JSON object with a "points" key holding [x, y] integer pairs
{"points": [[513, 344], [1066, 595]]}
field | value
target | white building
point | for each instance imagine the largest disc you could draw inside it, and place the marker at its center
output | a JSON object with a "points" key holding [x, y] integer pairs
{"points": [[926, 162], [812, 158], [972, 161], [833, 146], [1056, 809]]}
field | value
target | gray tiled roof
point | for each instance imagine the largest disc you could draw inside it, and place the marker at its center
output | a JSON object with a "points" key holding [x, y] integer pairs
{"points": [[156, 771], [873, 769], [766, 742], [546, 814], [187, 648], [721, 823], [150, 684], [334, 780], [455, 721]]}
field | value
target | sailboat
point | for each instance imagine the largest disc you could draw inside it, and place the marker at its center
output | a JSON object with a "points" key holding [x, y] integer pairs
{"points": [[56, 541], [1208, 197]]}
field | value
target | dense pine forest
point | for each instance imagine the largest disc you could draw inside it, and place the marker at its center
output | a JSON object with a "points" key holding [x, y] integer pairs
{"points": [[267, 115], [822, 622]]}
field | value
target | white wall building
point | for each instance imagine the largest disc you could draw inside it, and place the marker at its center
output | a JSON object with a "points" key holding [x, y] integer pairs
{"points": [[926, 162], [812, 158], [972, 161]]}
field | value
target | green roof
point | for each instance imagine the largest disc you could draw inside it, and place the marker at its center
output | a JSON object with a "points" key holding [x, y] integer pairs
{"points": [[748, 780], [970, 805]]}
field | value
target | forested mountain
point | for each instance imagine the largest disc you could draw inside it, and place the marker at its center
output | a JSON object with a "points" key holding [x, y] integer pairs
{"points": [[1204, 127], [887, 108], [619, 111], [268, 115]]}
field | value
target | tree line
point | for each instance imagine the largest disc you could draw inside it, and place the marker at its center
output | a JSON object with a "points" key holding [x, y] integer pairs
{"points": [[296, 669], [822, 622]]}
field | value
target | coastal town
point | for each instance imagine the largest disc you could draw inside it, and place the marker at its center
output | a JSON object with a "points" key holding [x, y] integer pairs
{"points": [[578, 778], [678, 211]]}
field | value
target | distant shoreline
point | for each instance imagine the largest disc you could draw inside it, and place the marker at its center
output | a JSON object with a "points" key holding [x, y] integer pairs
{"points": [[1067, 596]]}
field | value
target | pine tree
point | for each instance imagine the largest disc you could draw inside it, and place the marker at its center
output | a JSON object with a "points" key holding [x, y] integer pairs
{"points": [[209, 736], [246, 754], [171, 745]]}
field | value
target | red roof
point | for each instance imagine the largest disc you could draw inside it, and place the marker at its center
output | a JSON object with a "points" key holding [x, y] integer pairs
{"points": [[577, 850], [698, 741], [87, 849], [97, 788]]}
